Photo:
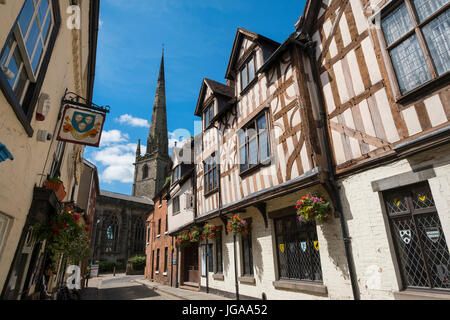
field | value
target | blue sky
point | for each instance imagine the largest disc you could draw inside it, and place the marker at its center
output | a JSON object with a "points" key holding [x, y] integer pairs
{"points": [[198, 36]]}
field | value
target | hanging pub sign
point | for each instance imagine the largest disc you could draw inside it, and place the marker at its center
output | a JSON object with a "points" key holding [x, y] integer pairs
{"points": [[81, 122]]}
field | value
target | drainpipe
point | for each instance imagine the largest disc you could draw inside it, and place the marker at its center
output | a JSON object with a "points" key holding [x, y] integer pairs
{"points": [[309, 47], [171, 265]]}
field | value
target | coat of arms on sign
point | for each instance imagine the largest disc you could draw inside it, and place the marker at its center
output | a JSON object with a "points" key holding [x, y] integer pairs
{"points": [[81, 126], [405, 235]]}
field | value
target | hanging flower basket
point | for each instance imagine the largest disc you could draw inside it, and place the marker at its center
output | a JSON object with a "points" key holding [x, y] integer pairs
{"points": [[312, 208], [65, 235], [183, 239], [236, 225], [58, 186], [210, 231], [194, 236]]}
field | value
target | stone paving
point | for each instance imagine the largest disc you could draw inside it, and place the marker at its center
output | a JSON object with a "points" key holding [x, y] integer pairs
{"points": [[123, 287]]}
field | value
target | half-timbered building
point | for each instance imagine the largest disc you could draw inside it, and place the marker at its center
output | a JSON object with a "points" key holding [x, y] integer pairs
{"points": [[382, 69]]}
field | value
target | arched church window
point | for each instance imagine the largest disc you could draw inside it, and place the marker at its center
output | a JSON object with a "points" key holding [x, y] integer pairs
{"points": [[139, 235], [145, 172], [110, 234]]}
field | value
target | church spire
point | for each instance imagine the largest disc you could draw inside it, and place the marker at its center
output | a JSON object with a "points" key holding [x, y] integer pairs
{"points": [[138, 150], [158, 138]]}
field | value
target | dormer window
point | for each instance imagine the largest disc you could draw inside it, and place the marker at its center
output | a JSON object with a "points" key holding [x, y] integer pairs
{"points": [[248, 73], [176, 174], [209, 114]]}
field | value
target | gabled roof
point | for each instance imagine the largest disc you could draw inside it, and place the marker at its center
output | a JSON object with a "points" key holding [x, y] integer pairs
{"points": [[240, 35], [307, 21], [217, 88]]}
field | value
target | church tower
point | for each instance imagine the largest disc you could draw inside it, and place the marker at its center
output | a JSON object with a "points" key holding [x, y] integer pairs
{"points": [[151, 169]]}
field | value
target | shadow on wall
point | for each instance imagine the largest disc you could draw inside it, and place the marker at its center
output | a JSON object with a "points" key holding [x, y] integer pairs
{"points": [[332, 233], [257, 259]]}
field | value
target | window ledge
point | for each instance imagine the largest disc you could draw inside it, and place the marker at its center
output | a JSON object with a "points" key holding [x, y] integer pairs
{"points": [[256, 167], [424, 89], [421, 295], [166, 233], [158, 236], [249, 86], [247, 280], [165, 274], [301, 286], [218, 276], [156, 272], [210, 193]]}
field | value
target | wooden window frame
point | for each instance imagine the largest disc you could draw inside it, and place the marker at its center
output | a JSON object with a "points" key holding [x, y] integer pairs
{"points": [[215, 186], [243, 67], [25, 106], [175, 212], [159, 227], [219, 253], [436, 81], [254, 122], [249, 241], [287, 214], [157, 260], [411, 213], [176, 177], [209, 114], [166, 258]]}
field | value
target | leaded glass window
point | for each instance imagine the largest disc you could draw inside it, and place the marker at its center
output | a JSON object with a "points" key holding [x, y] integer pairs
{"points": [[219, 257], [297, 250], [139, 235], [248, 73], [417, 37], [211, 174], [420, 243], [110, 234]]}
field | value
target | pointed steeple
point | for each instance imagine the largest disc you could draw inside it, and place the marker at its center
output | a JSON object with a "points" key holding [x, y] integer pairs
{"points": [[138, 149], [158, 138]]}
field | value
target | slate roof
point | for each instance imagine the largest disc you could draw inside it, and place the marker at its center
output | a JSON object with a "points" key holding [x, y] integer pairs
{"points": [[141, 200], [220, 88]]}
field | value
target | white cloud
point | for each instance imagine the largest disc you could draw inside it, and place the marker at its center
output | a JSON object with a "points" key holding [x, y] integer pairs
{"points": [[132, 121], [118, 160], [113, 136]]}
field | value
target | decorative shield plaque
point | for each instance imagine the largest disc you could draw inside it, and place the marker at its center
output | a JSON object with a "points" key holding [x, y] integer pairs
{"points": [[316, 245], [433, 234], [81, 126], [405, 235], [282, 247], [303, 246]]}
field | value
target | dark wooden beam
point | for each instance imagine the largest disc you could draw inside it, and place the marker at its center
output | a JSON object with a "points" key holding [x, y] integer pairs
{"points": [[262, 206]]}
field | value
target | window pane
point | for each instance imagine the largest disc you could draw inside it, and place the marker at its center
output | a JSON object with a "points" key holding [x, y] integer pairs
{"points": [[396, 24], [43, 8], [14, 65], [46, 28], [263, 146], [426, 8], [37, 56], [244, 77], [32, 38], [262, 123], [21, 82], [251, 70], [253, 151], [241, 137], [243, 158], [437, 36], [25, 16], [409, 64]]}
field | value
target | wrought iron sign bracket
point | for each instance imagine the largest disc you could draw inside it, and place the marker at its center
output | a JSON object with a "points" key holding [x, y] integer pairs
{"points": [[76, 100], [262, 209]]}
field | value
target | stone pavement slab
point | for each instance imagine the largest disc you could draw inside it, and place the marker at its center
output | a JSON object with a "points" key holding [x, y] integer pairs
{"points": [[180, 293]]}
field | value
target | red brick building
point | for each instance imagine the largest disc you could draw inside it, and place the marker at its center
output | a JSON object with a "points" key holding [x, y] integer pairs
{"points": [[160, 246]]}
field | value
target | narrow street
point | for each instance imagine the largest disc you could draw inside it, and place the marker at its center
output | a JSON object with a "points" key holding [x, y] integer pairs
{"points": [[122, 287]]}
